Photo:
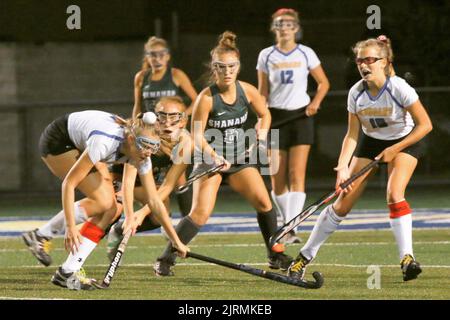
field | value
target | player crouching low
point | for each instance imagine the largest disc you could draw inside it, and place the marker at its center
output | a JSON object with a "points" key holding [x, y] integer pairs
{"points": [[71, 147], [169, 164]]}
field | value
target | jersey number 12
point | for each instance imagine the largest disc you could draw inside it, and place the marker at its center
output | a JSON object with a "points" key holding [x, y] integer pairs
{"points": [[286, 76]]}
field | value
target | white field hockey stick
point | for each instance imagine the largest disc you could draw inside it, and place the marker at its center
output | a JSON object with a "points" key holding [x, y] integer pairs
{"points": [[114, 263], [316, 205]]}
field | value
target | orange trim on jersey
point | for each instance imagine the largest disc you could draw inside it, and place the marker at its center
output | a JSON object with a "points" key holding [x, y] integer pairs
{"points": [[92, 232], [399, 209]]}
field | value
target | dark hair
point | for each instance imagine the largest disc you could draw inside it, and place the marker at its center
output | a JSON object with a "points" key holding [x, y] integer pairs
{"points": [[226, 43]]}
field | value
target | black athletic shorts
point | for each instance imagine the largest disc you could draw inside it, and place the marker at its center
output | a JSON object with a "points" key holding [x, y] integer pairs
{"points": [[369, 147], [236, 168], [55, 139], [202, 167], [296, 132]]}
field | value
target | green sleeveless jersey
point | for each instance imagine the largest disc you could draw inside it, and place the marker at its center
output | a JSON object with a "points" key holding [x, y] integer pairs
{"points": [[152, 91], [161, 163], [225, 128]]}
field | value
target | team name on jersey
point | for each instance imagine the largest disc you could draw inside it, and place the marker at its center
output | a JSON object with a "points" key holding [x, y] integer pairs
{"points": [[376, 112], [158, 94], [287, 65], [219, 124]]}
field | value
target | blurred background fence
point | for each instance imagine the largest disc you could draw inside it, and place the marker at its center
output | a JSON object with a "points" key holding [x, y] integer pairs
{"points": [[47, 70]]}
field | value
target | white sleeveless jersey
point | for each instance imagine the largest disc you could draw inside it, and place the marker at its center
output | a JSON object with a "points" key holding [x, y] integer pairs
{"points": [[288, 75], [99, 134], [383, 117]]}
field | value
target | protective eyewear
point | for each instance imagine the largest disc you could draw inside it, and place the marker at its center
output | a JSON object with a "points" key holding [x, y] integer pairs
{"points": [[282, 23], [157, 54], [170, 117], [222, 67], [367, 60], [145, 143]]}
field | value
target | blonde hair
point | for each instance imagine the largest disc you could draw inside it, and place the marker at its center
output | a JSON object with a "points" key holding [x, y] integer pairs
{"points": [[136, 126], [383, 44], [151, 42], [174, 99]]}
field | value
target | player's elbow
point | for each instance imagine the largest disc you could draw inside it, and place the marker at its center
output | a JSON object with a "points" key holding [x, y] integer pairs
{"points": [[67, 185], [429, 126], [326, 84], [426, 127]]}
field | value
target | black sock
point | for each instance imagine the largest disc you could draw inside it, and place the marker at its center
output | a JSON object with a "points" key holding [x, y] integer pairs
{"points": [[186, 230], [147, 225], [184, 200], [267, 222], [116, 226]]}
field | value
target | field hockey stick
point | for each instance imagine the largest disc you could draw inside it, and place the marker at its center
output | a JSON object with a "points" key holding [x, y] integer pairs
{"points": [[262, 273], [208, 172], [299, 115], [316, 205], [114, 263]]}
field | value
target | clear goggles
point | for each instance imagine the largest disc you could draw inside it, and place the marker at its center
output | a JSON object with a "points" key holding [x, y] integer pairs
{"points": [[157, 54], [146, 143], [284, 23], [222, 67], [169, 118]]}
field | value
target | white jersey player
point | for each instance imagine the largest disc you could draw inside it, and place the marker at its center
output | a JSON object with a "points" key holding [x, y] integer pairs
{"points": [[384, 116], [71, 146], [283, 71], [393, 120]]}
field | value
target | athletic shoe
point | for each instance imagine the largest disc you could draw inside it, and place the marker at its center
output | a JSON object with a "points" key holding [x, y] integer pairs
{"points": [[162, 268], [298, 267], [280, 260], [114, 240], [410, 267], [73, 280], [39, 246], [290, 238]]}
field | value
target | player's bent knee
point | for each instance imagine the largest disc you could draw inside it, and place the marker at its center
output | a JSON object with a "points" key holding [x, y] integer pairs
{"points": [[341, 210], [263, 206], [393, 197], [199, 220], [200, 215], [107, 205]]}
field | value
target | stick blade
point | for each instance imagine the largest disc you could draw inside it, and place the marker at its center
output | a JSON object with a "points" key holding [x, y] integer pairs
{"points": [[319, 279], [100, 285]]}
